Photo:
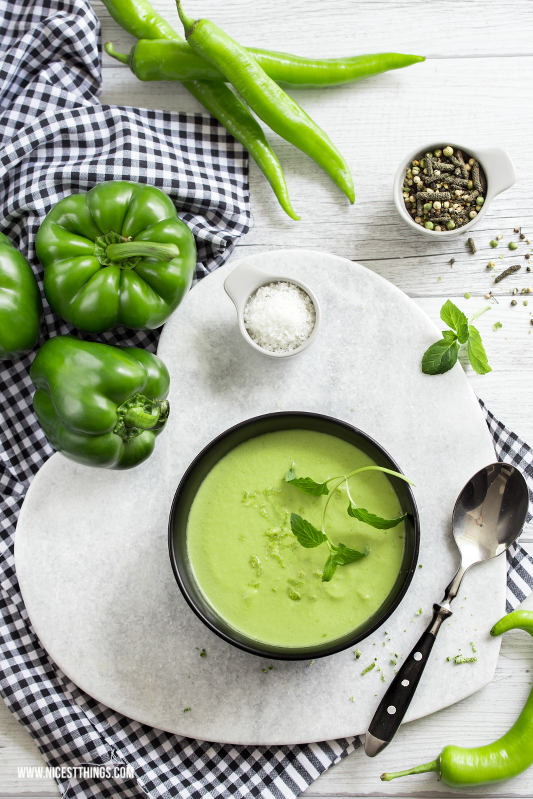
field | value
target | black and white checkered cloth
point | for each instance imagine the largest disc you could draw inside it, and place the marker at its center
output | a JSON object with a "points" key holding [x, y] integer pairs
{"points": [[56, 139]]}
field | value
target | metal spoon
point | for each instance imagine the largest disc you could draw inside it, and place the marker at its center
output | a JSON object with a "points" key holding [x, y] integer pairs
{"points": [[487, 518]]}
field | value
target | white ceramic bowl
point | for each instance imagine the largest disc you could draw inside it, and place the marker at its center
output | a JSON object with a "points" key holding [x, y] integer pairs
{"points": [[243, 282], [497, 166]]}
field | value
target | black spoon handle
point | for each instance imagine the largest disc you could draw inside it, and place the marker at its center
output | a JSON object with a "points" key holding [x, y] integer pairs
{"points": [[394, 705]]}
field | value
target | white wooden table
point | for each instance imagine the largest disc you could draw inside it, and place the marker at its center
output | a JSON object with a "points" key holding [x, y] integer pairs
{"points": [[476, 86]]}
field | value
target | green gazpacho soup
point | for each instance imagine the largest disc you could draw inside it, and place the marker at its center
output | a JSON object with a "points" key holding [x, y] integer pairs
{"points": [[249, 564]]}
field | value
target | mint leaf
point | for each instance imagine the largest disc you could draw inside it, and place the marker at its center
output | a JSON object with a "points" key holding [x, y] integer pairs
{"points": [[329, 569], [309, 486], [290, 475], [453, 317], [476, 352], [307, 535], [374, 521], [440, 357], [449, 335], [346, 555]]}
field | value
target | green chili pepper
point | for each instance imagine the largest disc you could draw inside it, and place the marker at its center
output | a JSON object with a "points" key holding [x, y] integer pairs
{"points": [[100, 405], [138, 18], [509, 756], [21, 308], [265, 97], [153, 59], [116, 256]]}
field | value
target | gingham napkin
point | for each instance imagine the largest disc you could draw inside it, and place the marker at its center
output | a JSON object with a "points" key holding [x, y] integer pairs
{"points": [[56, 139]]}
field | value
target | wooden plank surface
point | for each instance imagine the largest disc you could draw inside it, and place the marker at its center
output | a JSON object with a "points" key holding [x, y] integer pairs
{"points": [[475, 88]]}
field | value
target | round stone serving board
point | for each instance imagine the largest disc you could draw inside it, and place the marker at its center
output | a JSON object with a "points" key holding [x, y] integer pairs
{"points": [[91, 545]]}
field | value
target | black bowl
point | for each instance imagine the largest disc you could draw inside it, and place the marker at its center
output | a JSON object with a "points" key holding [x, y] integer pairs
{"points": [[193, 478]]}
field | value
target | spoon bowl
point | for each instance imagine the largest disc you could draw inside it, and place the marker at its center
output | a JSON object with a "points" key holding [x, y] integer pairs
{"points": [[489, 513]]}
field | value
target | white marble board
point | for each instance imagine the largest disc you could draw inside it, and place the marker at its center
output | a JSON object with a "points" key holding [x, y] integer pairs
{"points": [[91, 545]]}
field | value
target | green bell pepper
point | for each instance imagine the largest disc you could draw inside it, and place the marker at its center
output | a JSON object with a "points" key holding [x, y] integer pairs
{"points": [[116, 256], [100, 405], [21, 307]]}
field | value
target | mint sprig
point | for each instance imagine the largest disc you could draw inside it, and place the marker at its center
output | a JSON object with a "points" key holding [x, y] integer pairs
{"points": [[309, 536], [442, 356]]}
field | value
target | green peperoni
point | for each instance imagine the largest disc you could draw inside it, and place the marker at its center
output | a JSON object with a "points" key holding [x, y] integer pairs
{"points": [[509, 756]]}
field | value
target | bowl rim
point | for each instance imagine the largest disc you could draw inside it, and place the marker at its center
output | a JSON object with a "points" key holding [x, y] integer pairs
{"points": [[287, 654], [400, 206]]}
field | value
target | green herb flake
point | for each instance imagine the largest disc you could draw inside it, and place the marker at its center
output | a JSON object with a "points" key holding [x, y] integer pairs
{"points": [[459, 659], [393, 662], [368, 668], [310, 663], [419, 612], [357, 653], [203, 653], [186, 709], [472, 644], [497, 326], [383, 677], [352, 699]]}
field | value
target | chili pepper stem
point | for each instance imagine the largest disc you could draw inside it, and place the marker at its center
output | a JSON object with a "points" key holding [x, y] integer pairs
{"points": [[146, 249], [433, 766], [124, 58], [187, 21]]}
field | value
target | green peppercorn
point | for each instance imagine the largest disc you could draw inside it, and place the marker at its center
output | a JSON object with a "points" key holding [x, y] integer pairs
{"points": [[493, 243], [467, 295], [448, 151], [429, 225], [450, 225], [513, 245], [480, 200], [470, 185], [427, 206], [437, 153]]}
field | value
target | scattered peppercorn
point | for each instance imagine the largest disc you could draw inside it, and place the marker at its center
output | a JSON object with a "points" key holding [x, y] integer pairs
{"points": [[507, 272], [467, 295], [493, 243], [516, 230], [470, 243], [522, 236], [513, 302], [513, 245], [527, 256]]}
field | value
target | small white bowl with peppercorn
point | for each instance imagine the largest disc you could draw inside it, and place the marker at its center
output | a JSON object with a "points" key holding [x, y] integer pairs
{"points": [[442, 190]]}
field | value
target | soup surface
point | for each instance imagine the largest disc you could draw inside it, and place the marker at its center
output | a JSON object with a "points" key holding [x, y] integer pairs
{"points": [[251, 567]]}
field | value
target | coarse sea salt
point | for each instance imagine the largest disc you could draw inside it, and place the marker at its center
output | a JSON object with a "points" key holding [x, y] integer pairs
{"points": [[279, 317]]}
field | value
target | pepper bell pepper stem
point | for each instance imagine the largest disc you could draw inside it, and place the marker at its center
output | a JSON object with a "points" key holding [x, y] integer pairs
{"points": [[145, 249], [433, 766], [110, 50], [136, 417]]}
